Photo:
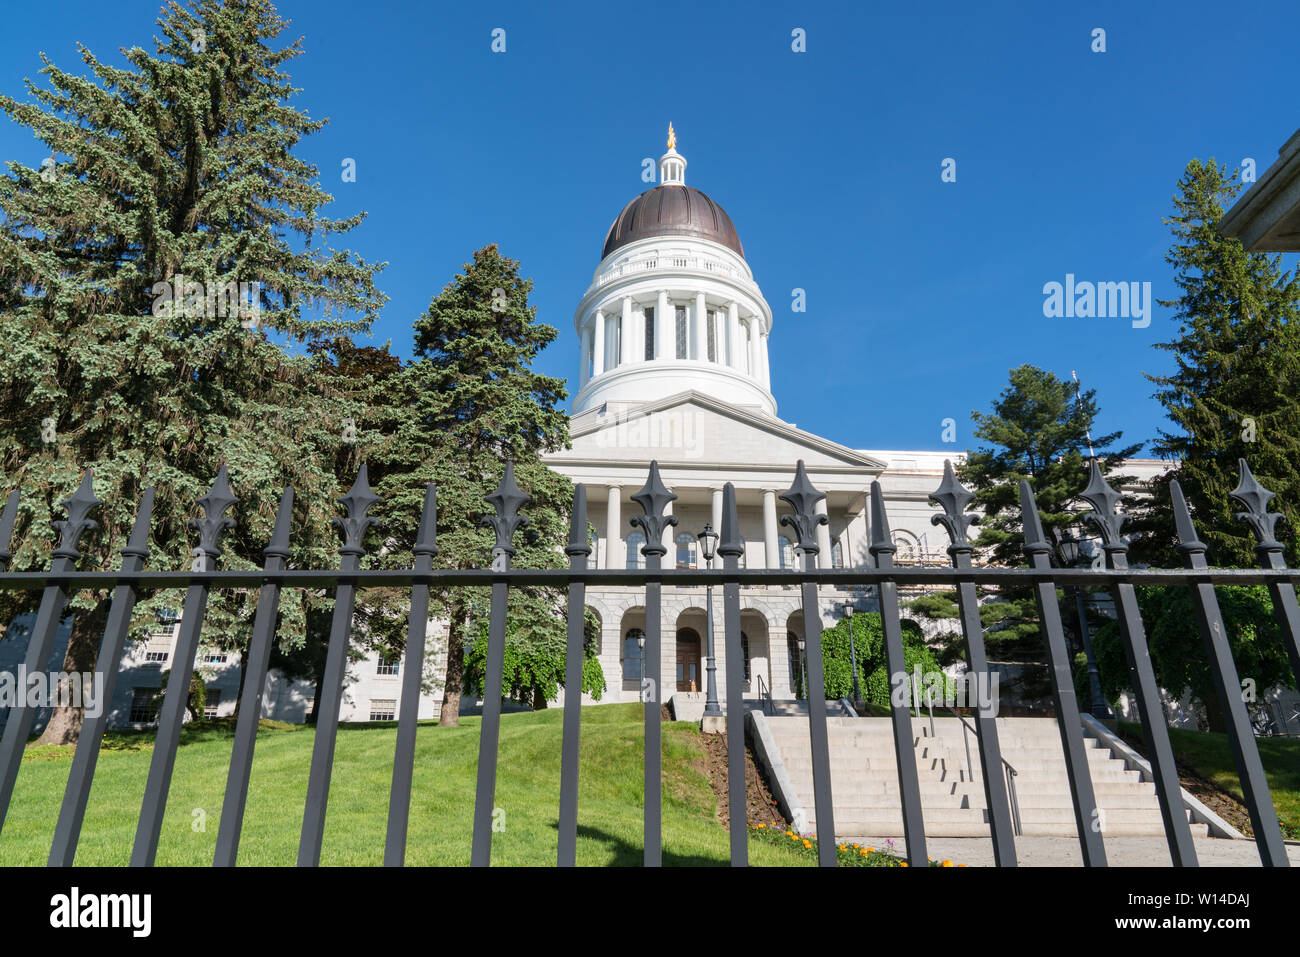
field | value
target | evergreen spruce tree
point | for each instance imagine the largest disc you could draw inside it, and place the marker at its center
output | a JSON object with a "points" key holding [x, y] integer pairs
{"points": [[475, 403], [1235, 391], [132, 348], [1040, 429]]}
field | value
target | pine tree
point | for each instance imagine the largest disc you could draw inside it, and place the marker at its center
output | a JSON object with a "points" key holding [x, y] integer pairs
{"points": [[132, 346], [474, 403], [1040, 430], [1235, 392]]}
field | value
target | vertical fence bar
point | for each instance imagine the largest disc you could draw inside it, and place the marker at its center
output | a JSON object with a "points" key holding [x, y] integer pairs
{"points": [[1254, 785], [1086, 812], [358, 500], [77, 792], [53, 601], [399, 796], [803, 499], [954, 499], [1255, 498], [579, 552], [1102, 498], [172, 715], [506, 500], [730, 548], [653, 498], [882, 551], [274, 557], [7, 519]]}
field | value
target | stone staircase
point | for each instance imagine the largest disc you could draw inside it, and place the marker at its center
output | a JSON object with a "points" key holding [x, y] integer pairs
{"points": [[864, 779]]}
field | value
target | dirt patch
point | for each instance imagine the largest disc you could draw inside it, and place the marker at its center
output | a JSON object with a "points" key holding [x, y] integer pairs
{"points": [[760, 806]]}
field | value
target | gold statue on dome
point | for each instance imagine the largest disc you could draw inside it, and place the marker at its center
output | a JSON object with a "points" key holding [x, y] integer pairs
{"points": [[672, 138]]}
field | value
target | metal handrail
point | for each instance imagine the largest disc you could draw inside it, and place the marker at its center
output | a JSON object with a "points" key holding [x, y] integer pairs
{"points": [[1008, 772], [764, 696]]}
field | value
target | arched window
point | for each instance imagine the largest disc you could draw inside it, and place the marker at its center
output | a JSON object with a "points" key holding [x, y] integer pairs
{"points": [[682, 342], [744, 649], [786, 553], [635, 541], [906, 545], [593, 560], [632, 654], [686, 550], [837, 554]]}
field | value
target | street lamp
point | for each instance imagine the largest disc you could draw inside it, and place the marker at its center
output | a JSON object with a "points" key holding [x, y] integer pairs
{"points": [[640, 691], [1074, 552], [853, 654], [708, 543]]}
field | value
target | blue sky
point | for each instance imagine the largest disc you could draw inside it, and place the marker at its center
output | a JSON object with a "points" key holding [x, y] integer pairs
{"points": [[921, 294]]}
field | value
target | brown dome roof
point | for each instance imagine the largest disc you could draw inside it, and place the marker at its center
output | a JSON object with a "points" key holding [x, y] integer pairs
{"points": [[672, 210]]}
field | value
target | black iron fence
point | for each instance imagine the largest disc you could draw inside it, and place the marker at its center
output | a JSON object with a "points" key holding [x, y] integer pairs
{"points": [[62, 580]]}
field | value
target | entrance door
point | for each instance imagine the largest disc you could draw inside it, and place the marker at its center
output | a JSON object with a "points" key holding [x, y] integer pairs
{"points": [[688, 661]]}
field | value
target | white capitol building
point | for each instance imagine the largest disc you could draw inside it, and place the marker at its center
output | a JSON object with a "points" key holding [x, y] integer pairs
{"points": [[674, 356]]}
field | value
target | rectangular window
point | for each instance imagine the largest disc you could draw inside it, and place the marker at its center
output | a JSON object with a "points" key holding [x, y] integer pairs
{"points": [[211, 703], [142, 705], [213, 658], [382, 709], [649, 333], [387, 666], [681, 332], [156, 655], [713, 335]]}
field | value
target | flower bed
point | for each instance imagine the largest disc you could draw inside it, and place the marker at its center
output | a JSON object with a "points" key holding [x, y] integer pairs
{"points": [[846, 855]]}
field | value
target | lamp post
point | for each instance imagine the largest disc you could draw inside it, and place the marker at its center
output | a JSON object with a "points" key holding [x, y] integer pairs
{"points": [[712, 710], [853, 654], [1072, 551], [640, 691]]}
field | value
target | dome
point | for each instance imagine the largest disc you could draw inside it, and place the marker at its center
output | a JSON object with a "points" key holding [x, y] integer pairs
{"points": [[672, 210]]}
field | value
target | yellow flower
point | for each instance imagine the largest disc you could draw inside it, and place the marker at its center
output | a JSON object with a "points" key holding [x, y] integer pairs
{"points": [[862, 852], [870, 850], [807, 843], [902, 863], [961, 865], [947, 863]]}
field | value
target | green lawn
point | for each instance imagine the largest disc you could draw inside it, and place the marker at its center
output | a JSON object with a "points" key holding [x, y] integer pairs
{"points": [[528, 786], [1210, 755]]}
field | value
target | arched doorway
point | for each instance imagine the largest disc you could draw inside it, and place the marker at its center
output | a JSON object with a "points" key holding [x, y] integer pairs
{"points": [[689, 675]]}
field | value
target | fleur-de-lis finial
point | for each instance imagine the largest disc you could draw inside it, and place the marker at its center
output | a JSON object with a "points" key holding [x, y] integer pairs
{"points": [[953, 498], [1103, 499], [653, 499], [214, 521], [357, 502], [507, 500], [78, 506], [1255, 498], [803, 498]]}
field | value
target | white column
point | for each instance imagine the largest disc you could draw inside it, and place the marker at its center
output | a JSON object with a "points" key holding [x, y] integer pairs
{"points": [[584, 368], [823, 539], [626, 338], [754, 347], [670, 532], [614, 530], [701, 317], [771, 558], [598, 347], [717, 510], [663, 328], [733, 335]]}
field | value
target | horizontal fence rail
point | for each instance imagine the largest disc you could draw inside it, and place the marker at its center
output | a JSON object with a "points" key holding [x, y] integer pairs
{"points": [[62, 581]]}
